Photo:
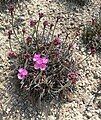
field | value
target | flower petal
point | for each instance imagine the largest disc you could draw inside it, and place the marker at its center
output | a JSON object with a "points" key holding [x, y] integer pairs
{"points": [[45, 60], [20, 70], [43, 66], [39, 61], [21, 77], [36, 66], [36, 57], [24, 72]]}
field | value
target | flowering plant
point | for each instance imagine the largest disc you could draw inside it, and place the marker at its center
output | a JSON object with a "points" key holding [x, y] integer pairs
{"points": [[45, 66], [80, 2], [91, 35]]}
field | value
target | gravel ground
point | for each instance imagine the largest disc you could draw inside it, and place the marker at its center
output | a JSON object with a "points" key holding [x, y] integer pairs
{"points": [[85, 103]]}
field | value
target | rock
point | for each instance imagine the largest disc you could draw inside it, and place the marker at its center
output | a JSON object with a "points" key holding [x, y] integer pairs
{"points": [[51, 118]]}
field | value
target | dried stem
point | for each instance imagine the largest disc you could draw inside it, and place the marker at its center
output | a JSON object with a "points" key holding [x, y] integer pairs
{"points": [[39, 75], [63, 87]]}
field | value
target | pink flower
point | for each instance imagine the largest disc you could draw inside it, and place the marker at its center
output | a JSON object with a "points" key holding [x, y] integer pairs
{"points": [[22, 73], [32, 23], [40, 66], [40, 62], [45, 60], [72, 76], [57, 41], [28, 39], [11, 54], [36, 57]]}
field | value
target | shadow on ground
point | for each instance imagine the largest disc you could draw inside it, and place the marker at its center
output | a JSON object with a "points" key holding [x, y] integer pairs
{"points": [[4, 4], [18, 107], [71, 5]]}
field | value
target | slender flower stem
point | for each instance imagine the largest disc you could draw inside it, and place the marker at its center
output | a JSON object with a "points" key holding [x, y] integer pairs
{"points": [[52, 37], [39, 75], [25, 65], [23, 38], [37, 28], [53, 30], [10, 44], [43, 33], [24, 41], [33, 32], [14, 29], [63, 87], [49, 33], [37, 33]]}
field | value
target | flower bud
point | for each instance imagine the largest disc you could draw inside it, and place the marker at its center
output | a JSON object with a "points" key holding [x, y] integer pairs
{"points": [[93, 21], [56, 41], [32, 23], [11, 54], [23, 30], [27, 56], [92, 50], [72, 76], [45, 23], [41, 15], [28, 39], [51, 25], [9, 34], [11, 8]]}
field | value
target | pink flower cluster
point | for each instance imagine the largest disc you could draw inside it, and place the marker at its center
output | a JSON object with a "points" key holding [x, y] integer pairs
{"points": [[40, 62], [22, 73]]}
